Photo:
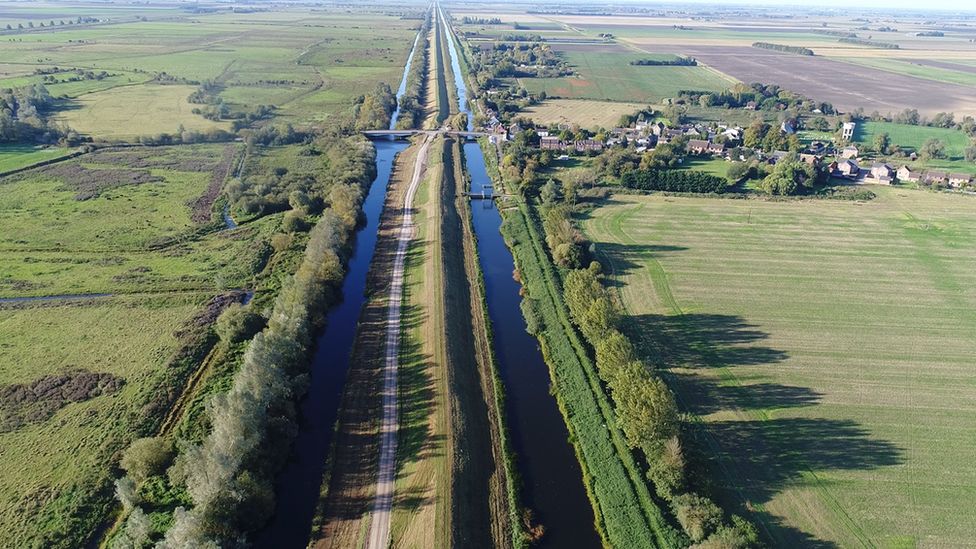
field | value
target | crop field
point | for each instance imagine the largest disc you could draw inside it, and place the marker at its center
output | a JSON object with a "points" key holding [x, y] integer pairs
{"points": [[826, 347], [919, 69], [581, 112], [81, 377], [609, 76]]}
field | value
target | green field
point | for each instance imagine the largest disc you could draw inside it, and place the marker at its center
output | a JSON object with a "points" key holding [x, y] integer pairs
{"points": [[912, 137], [826, 348], [14, 156], [114, 222], [899, 66], [608, 75]]}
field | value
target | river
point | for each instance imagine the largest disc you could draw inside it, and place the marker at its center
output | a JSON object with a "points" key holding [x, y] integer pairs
{"points": [[297, 486], [552, 480]]}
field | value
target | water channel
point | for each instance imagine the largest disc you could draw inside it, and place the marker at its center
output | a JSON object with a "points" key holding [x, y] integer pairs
{"points": [[297, 486], [552, 481]]}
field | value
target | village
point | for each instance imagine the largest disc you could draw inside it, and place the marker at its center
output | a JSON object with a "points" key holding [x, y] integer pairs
{"points": [[848, 162]]}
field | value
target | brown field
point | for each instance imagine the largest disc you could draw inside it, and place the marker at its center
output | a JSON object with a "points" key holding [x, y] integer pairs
{"points": [[828, 80], [585, 113]]}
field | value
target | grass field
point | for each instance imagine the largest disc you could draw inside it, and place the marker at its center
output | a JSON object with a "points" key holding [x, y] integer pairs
{"points": [[113, 222], [14, 156], [913, 137], [581, 112], [825, 347], [132, 111], [609, 76]]}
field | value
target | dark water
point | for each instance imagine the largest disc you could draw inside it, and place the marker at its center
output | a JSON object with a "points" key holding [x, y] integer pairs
{"points": [[297, 486], [551, 476], [403, 83]]}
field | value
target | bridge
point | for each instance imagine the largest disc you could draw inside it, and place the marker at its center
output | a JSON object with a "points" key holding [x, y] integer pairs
{"points": [[403, 134]]}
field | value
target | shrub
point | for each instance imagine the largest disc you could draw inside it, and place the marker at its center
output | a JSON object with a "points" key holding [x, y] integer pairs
{"points": [[740, 535], [238, 323], [146, 457], [698, 515], [684, 181], [294, 222], [667, 469]]}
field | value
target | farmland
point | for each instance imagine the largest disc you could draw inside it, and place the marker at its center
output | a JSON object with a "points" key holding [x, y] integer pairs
{"points": [[608, 75], [582, 112], [823, 348]]}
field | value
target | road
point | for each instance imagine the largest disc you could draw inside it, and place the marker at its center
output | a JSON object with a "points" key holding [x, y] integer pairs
{"points": [[379, 526]]}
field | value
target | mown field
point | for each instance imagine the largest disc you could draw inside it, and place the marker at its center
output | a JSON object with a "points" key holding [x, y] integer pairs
{"points": [[824, 346], [606, 74], [15, 156], [581, 112], [913, 137]]}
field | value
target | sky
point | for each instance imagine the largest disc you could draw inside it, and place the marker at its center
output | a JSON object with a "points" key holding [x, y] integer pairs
{"points": [[911, 5]]}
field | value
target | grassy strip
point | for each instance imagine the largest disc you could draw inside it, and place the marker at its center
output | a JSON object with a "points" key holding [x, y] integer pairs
{"points": [[519, 538], [626, 514]]}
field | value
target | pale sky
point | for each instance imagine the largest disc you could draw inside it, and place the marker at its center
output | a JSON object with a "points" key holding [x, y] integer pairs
{"points": [[908, 5]]}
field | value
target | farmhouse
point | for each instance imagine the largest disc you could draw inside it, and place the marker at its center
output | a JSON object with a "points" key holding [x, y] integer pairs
{"points": [[881, 173], [697, 146], [810, 159], [845, 168], [935, 177], [959, 179], [588, 145], [551, 143], [716, 148], [849, 152], [906, 173]]}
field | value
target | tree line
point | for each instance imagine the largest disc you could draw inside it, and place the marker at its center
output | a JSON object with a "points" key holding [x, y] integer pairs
{"points": [[681, 181], [224, 481], [783, 48], [871, 43], [412, 100], [678, 61]]}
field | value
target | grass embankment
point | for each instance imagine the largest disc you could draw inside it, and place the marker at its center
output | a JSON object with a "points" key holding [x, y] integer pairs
{"points": [[486, 504], [822, 349], [422, 503], [627, 516]]}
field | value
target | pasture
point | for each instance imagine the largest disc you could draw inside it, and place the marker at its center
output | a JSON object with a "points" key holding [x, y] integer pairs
{"points": [[912, 137], [581, 112], [606, 74], [80, 378], [15, 156], [824, 349], [131, 111]]}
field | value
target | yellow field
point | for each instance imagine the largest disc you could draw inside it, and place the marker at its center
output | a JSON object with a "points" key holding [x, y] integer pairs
{"points": [[131, 111], [585, 113]]}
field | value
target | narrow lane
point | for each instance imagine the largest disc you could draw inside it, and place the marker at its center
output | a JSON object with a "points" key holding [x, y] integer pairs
{"points": [[379, 527]]}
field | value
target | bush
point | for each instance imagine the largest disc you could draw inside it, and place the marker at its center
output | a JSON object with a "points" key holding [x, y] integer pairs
{"points": [[667, 469], [740, 535], [567, 255], [146, 457], [238, 323], [294, 222], [682, 181], [698, 515]]}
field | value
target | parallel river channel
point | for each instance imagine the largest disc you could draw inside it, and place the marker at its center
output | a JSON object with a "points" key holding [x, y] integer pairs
{"points": [[297, 486], [552, 481]]}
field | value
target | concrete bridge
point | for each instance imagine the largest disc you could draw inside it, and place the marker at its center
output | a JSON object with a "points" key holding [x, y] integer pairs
{"points": [[403, 134]]}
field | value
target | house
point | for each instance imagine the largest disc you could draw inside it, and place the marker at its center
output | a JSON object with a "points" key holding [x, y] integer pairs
{"points": [[716, 148], [697, 146], [734, 134], [849, 151], [810, 159], [817, 148], [514, 129], [588, 145], [542, 132], [846, 168], [935, 177], [551, 143], [497, 134], [750, 106], [788, 127], [959, 179], [658, 129], [906, 173], [847, 131], [882, 173], [777, 156]]}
